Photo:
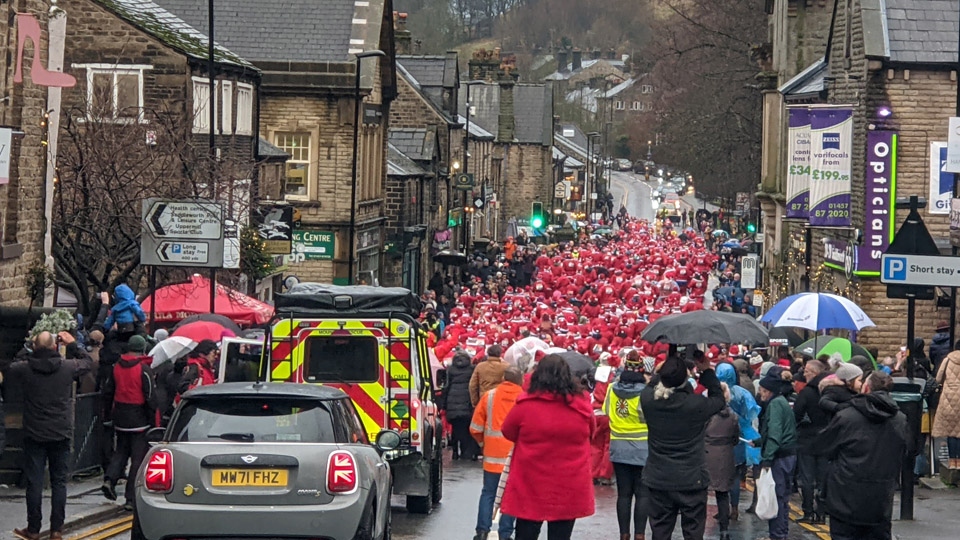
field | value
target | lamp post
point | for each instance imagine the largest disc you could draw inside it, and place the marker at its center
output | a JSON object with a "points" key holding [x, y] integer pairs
{"points": [[466, 161], [591, 145], [356, 142]]}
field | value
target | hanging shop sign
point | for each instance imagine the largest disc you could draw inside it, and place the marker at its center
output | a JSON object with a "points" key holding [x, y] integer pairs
{"points": [[831, 142]]}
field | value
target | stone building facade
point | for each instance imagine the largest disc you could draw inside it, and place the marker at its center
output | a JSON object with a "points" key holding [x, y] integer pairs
{"points": [[23, 196], [892, 62], [307, 55]]}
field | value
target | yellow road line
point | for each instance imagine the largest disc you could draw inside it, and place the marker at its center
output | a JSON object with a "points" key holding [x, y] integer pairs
{"points": [[822, 531], [107, 530]]}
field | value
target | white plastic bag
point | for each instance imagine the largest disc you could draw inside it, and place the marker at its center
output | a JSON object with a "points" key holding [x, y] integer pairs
{"points": [[767, 507]]}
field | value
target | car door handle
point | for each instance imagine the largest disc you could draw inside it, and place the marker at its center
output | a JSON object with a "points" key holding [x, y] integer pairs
{"points": [[381, 464]]}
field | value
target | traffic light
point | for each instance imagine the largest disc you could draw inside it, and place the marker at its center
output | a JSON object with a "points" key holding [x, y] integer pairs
{"points": [[537, 218], [751, 227]]}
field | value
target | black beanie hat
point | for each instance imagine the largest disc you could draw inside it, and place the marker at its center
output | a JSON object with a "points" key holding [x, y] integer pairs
{"points": [[673, 372]]}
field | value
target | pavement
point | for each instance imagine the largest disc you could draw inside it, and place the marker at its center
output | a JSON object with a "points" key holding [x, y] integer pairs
{"points": [[85, 506]]}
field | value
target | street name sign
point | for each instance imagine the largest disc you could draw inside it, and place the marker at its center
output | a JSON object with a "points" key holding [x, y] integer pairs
{"points": [[923, 270], [182, 233]]}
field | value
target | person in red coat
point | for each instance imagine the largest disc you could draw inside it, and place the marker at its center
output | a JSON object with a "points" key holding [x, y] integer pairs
{"points": [[601, 467], [551, 427]]}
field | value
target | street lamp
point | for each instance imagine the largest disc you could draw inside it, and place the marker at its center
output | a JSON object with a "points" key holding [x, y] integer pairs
{"points": [[356, 141], [591, 144], [466, 159]]}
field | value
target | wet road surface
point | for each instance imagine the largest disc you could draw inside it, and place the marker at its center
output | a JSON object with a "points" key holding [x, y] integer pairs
{"points": [[455, 518]]}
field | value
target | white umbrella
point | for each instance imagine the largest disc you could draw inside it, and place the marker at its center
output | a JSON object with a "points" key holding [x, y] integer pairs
{"points": [[522, 353], [817, 311], [170, 349]]}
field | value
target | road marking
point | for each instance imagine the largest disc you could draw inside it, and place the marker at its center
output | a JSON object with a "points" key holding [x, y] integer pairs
{"points": [[107, 530]]}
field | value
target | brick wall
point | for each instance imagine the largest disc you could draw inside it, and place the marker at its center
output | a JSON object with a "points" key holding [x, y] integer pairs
{"points": [[22, 200]]}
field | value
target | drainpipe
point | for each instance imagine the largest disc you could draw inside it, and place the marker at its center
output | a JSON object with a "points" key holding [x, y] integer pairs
{"points": [[56, 36]]}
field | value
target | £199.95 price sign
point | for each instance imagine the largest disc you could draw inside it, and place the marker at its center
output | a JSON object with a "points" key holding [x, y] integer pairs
{"points": [[831, 138]]}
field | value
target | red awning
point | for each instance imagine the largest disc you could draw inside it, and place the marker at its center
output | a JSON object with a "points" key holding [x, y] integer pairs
{"points": [[179, 301]]}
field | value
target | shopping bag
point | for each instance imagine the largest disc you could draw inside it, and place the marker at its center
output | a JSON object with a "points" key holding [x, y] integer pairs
{"points": [[767, 507]]}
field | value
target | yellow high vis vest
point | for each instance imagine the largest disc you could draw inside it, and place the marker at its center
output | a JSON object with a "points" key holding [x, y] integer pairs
{"points": [[626, 418]]}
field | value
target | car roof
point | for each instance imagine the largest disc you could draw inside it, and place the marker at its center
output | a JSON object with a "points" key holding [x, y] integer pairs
{"points": [[265, 389]]}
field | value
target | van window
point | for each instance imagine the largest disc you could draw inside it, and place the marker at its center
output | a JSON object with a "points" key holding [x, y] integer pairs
{"points": [[353, 359]]}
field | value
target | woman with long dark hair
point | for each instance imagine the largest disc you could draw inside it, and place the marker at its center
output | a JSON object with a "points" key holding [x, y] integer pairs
{"points": [[551, 426]]}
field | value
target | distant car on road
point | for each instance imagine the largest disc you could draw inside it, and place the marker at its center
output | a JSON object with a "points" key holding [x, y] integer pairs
{"points": [[265, 460], [624, 164]]}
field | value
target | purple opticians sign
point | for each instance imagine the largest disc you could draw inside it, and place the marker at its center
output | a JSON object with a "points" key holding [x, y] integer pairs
{"points": [[880, 195]]}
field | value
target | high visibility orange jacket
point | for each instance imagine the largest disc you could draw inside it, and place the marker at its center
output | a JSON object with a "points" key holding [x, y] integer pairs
{"points": [[488, 417]]}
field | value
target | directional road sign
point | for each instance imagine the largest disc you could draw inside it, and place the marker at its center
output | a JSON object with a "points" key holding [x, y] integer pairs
{"points": [[182, 233], [184, 219], [923, 270], [184, 253]]}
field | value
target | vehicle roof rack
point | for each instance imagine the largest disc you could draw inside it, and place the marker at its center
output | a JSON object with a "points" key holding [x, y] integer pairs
{"points": [[325, 299]]}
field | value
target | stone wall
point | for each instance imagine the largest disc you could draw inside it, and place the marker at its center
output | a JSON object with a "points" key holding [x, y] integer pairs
{"points": [[22, 200], [527, 178]]}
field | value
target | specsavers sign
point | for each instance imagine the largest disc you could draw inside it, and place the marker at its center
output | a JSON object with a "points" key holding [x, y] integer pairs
{"points": [[798, 168]]}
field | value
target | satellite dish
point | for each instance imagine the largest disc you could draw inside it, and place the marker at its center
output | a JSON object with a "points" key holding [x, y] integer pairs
{"points": [[290, 281]]}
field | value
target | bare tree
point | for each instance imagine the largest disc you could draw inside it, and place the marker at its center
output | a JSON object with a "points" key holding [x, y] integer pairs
{"points": [[107, 167]]}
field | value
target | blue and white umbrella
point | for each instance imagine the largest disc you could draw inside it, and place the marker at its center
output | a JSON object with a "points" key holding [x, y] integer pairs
{"points": [[817, 311]]}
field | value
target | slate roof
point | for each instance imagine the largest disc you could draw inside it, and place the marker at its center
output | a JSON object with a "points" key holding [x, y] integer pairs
{"points": [[570, 163], [808, 82], [265, 150], [427, 70], [533, 113], [400, 165], [415, 143], [921, 31], [485, 99], [170, 29], [564, 75], [277, 30], [476, 131]]}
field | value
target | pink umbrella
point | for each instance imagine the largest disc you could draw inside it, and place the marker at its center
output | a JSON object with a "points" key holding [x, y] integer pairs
{"points": [[201, 330]]}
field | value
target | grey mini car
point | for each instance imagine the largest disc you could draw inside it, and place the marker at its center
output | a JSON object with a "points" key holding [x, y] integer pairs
{"points": [[265, 460]]}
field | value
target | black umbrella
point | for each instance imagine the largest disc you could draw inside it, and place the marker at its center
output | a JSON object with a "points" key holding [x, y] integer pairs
{"points": [[448, 257], [579, 364], [729, 292], [784, 337], [222, 320], [705, 326]]}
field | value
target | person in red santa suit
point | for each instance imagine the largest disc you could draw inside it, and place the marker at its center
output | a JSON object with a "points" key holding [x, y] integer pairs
{"points": [[601, 466]]}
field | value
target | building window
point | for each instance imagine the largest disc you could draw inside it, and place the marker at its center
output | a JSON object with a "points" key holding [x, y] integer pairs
{"points": [[244, 109], [636, 106], [114, 92], [297, 177], [646, 89], [619, 105], [201, 100]]}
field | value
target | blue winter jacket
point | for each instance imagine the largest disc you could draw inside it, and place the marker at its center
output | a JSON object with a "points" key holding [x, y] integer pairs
{"points": [[745, 406], [127, 310]]}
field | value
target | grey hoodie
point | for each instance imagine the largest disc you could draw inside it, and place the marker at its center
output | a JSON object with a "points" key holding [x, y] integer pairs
{"points": [[627, 452]]}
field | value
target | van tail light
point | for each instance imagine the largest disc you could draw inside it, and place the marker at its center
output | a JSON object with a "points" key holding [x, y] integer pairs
{"points": [[341, 473], [158, 476]]}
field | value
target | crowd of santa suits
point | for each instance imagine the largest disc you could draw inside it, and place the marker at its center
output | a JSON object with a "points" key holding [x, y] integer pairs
{"points": [[591, 297]]}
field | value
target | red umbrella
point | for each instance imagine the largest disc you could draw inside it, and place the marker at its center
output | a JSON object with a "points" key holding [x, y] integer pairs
{"points": [[201, 330], [181, 300]]}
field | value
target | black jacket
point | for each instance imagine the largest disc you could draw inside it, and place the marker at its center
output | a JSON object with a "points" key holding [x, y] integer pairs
{"points": [[457, 392], [835, 398], [676, 428], [46, 380], [865, 443], [810, 417], [939, 348]]}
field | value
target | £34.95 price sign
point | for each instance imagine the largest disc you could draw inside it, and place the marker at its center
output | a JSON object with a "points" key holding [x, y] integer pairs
{"points": [[831, 138]]}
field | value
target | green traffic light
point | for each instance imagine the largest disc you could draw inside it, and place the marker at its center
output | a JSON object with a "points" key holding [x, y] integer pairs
{"points": [[536, 222], [751, 228]]}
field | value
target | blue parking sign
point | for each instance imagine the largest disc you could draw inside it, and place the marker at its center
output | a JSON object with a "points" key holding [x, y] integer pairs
{"points": [[895, 269]]}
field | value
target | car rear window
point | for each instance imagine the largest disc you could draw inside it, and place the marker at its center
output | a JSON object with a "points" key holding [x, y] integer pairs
{"points": [[234, 419], [353, 359]]}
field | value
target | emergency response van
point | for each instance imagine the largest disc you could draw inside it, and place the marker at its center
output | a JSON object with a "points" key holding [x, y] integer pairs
{"points": [[368, 342]]}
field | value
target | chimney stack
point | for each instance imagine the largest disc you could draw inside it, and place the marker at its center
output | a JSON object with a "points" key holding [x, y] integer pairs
{"points": [[611, 54], [562, 60], [596, 53], [484, 65], [577, 59], [401, 35]]}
